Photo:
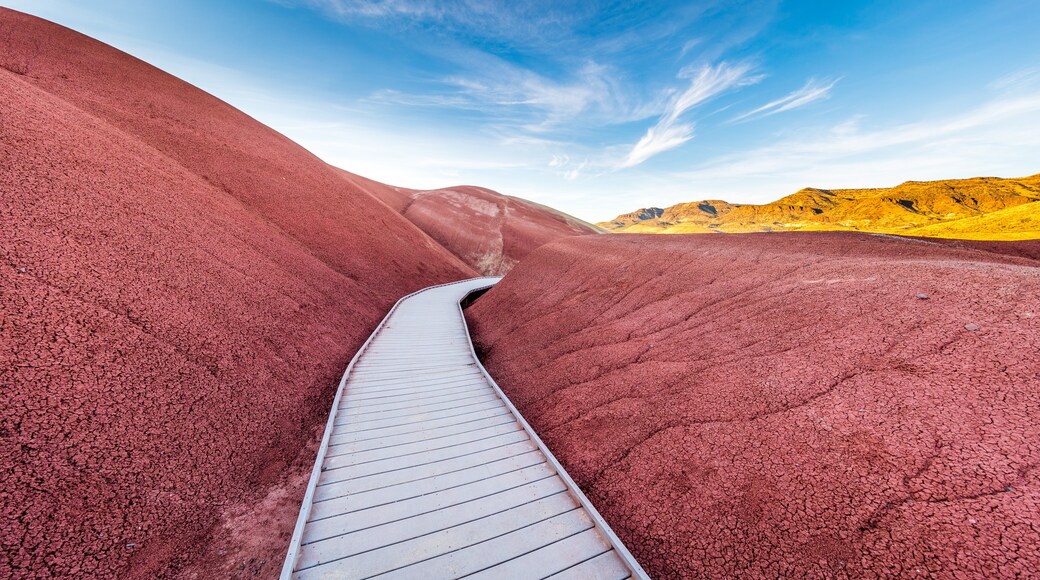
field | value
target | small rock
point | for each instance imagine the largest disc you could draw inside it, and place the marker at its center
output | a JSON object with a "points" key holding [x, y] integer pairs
{"points": [[971, 326], [21, 270], [130, 545], [921, 296]]}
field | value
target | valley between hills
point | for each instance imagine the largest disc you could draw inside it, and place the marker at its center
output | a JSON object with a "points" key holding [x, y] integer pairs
{"points": [[182, 287]]}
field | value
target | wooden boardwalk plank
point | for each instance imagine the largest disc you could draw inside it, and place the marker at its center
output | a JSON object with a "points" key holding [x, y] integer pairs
{"points": [[566, 551], [351, 471], [602, 567], [428, 434], [435, 546], [357, 542], [336, 523], [518, 536], [423, 470], [427, 426], [426, 470], [360, 499], [415, 418]]}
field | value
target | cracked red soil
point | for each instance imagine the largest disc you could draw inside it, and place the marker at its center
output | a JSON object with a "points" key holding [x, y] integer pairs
{"points": [[784, 404], [180, 287]]}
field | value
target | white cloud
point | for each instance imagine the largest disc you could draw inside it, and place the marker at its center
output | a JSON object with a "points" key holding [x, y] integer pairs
{"points": [[812, 91], [530, 21], [658, 139], [1025, 78], [522, 107], [849, 126], [997, 137], [372, 8], [396, 97], [575, 172], [690, 45], [525, 102], [521, 90], [705, 83]]}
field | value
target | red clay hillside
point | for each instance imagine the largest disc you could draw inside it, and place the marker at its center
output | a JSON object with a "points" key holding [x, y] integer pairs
{"points": [[491, 232], [181, 288], [786, 405]]}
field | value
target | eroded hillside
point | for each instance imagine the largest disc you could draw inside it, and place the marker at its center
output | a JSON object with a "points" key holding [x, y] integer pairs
{"points": [[786, 405], [489, 231], [180, 287]]}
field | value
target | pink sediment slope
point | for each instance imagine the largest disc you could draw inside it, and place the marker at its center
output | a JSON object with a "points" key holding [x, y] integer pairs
{"points": [[180, 288], [786, 404], [491, 232]]}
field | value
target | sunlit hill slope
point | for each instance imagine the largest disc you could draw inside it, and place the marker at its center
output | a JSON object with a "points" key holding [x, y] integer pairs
{"points": [[982, 208]]}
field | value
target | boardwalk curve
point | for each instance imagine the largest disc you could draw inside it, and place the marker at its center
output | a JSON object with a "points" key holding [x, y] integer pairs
{"points": [[426, 470]]}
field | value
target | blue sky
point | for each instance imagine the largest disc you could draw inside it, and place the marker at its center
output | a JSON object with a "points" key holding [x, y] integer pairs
{"points": [[602, 108]]}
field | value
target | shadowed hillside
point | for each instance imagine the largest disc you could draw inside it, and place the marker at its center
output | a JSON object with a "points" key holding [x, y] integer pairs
{"points": [[984, 208]]}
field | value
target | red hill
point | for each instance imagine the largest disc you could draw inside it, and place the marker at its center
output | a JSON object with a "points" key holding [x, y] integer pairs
{"points": [[180, 287], [786, 405], [491, 232]]}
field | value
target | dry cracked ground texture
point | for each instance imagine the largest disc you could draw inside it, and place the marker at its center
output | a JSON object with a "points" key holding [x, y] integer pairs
{"points": [[785, 404], [170, 336]]}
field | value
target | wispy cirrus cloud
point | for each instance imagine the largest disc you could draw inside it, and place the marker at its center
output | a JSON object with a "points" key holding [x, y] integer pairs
{"points": [[535, 20], [521, 102], [1023, 78], [705, 82], [572, 85], [540, 102], [992, 138], [377, 8], [814, 90], [658, 139]]}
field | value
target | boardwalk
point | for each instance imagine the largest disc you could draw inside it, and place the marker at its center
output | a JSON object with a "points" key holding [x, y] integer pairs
{"points": [[427, 471]]}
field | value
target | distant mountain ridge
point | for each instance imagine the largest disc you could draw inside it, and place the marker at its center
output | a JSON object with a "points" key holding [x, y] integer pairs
{"points": [[988, 208]]}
